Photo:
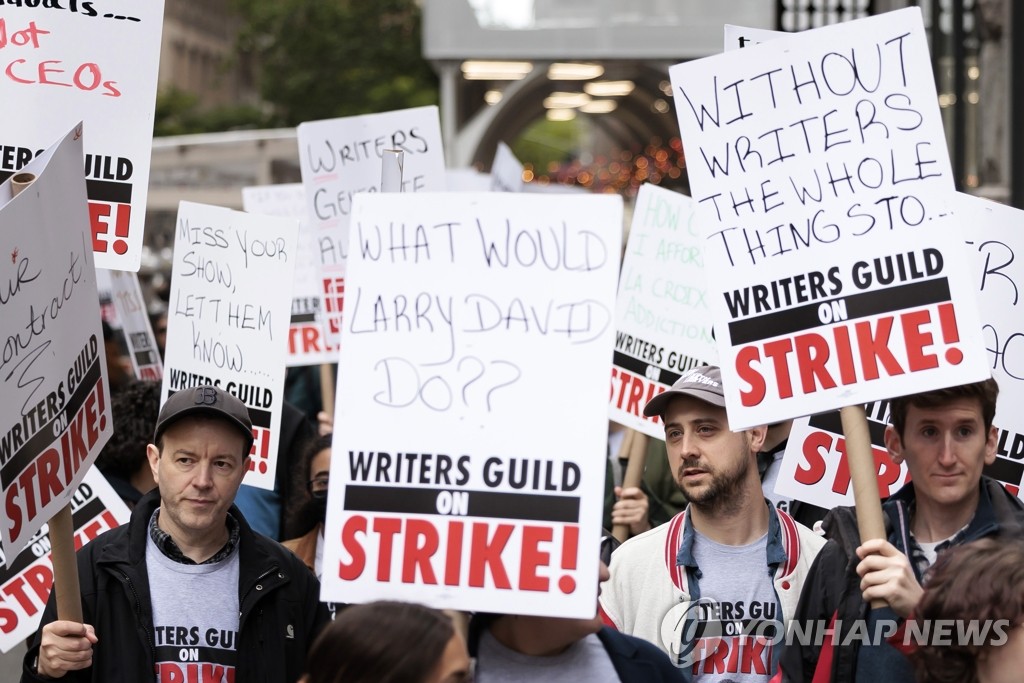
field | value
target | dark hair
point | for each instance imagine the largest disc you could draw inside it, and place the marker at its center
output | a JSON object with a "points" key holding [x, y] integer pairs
{"points": [[985, 392], [135, 407], [301, 515], [380, 642], [982, 580]]}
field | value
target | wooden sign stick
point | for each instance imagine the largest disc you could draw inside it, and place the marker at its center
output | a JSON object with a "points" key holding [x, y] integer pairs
{"points": [[863, 472], [634, 474]]}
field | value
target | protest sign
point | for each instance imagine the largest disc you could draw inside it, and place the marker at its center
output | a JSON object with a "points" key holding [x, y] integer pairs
{"points": [[307, 343], [738, 37], [227, 321], [134, 323], [467, 180], [819, 165], [95, 62], [662, 319], [506, 171], [997, 245], [54, 399], [469, 449], [26, 579], [814, 468], [342, 157]]}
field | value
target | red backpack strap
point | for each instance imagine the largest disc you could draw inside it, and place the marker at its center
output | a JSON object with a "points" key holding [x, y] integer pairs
{"points": [[823, 669]]}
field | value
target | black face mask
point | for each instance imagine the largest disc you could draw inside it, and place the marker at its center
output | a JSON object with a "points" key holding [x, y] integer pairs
{"points": [[319, 502]]}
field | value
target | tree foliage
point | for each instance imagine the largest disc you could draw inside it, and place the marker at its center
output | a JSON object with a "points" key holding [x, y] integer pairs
{"points": [[321, 59], [179, 113]]}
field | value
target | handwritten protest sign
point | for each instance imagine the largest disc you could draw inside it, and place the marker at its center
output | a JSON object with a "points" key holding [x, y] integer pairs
{"points": [[819, 165], [997, 244], [814, 468], [54, 399], [64, 62], [340, 158], [227, 322], [26, 579], [143, 352], [469, 448], [662, 319], [506, 171], [307, 343]]}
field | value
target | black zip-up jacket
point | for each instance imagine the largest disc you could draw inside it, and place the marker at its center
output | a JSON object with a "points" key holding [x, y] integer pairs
{"points": [[279, 601], [832, 588]]}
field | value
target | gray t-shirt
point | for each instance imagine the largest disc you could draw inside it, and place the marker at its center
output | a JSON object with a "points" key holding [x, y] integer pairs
{"points": [[584, 660], [738, 613], [195, 617]]}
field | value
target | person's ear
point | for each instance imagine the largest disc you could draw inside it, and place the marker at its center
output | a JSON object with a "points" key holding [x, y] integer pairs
{"points": [[894, 444], [757, 435], [153, 455], [991, 444]]}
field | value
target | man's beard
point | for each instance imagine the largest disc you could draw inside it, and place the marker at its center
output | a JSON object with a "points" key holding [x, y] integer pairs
{"points": [[725, 494]]}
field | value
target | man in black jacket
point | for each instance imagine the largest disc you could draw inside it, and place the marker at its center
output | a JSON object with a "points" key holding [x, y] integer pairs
{"points": [[946, 437], [186, 591]]}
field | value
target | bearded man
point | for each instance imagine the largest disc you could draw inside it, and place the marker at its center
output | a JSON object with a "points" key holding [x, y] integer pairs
{"points": [[716, 586]]}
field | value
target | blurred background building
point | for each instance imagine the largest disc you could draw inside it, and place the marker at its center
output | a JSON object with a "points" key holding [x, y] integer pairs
{"points": [[578, 88]]}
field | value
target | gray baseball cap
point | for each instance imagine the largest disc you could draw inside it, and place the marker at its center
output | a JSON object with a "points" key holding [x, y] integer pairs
{"points": [[205, 400], [704, 383]]}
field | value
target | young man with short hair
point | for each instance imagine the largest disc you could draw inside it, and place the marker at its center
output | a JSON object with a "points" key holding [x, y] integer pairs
{"points": [[715, 586], [946, 437]]}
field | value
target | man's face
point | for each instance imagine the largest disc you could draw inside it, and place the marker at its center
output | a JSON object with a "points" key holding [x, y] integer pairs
{"points": [[198, 472], [945, 449], [711, 463]]}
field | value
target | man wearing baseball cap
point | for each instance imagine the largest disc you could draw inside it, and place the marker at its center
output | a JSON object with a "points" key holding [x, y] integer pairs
{"points": [[186, 590], [716, 585]]}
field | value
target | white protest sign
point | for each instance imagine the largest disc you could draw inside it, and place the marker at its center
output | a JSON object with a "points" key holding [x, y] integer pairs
{"points": [[54, 398], [467, 180], [506, 171], [835, 273], [342, 157], [307, 343], [814, 468], [997, 243], [470, 438], [26, 580], [662, 319], [227, 319], [738, 37], [91, 61], [143, 351]]}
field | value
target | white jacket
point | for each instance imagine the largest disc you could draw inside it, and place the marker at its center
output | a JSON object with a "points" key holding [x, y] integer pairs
{"points": [[647, 594]]}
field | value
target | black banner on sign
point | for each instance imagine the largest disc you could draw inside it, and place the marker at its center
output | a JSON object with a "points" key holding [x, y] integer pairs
{"points": [[864, 305], [44, 436], [832, 422], [494, 504], [1006, 471], [108, 191], [639, 367]]}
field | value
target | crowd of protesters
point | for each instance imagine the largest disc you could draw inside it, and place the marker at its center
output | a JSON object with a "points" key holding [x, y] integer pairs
{"points": [[711, 543]]}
